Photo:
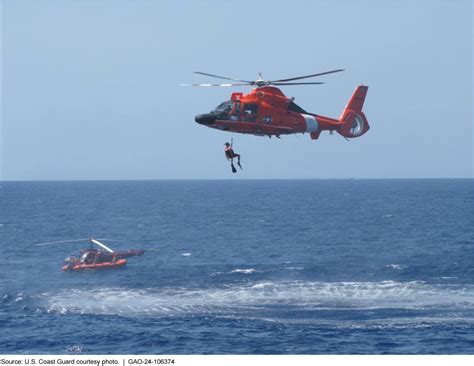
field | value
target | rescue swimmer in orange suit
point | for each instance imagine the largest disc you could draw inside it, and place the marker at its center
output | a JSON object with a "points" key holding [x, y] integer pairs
{"points": [[230, 155]]}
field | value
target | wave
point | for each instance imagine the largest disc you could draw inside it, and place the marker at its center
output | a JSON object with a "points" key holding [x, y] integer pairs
{"points": [[75, 349], [395, 266], [265, 298], [244, 270]]}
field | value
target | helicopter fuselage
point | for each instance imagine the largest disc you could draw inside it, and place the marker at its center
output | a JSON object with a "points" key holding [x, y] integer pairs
{"points": [[266, 111]]}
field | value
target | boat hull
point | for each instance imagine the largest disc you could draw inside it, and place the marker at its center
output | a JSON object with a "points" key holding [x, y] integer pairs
{"points": [[95, 266]]}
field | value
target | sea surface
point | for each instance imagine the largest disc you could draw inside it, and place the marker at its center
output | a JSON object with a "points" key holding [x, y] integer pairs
{"points": [[241, 267]]}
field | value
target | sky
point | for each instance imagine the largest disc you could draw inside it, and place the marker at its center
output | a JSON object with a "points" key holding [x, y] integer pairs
{"points": [[90, 89]]}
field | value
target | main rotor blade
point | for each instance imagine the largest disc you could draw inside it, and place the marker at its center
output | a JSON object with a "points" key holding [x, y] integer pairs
{"points": [[225, 85], [95, 241], [108, 239], [62, 241], [309, 83], [309, 76], [220, 77]]}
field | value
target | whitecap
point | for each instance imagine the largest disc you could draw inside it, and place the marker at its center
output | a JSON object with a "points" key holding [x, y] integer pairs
{"points": [[244, 270], [395, 266], [75, 349], [262, 285], [186, 254], [294, 268]]}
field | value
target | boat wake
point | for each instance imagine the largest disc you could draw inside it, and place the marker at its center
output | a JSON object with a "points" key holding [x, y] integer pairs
{"points": [[277, 301]]}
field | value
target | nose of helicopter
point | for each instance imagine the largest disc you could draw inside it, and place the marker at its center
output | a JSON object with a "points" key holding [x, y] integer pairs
{"points": [[205, 119]]}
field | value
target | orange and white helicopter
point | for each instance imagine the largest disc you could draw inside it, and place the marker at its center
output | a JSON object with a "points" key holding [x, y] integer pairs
{"points": [[266, 111]]}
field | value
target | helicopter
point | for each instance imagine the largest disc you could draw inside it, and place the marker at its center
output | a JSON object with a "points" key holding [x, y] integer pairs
{"points": [[266, 111], [93, 258]]}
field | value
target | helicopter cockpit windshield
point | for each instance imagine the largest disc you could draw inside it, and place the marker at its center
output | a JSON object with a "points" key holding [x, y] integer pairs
{"points": [[227, 110], [223, 108]]}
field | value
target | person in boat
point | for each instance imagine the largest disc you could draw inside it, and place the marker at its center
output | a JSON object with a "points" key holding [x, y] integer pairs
{"points": [[230, 154]]}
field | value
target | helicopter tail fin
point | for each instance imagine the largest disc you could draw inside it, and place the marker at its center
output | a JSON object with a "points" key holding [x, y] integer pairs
{"points": [[355, 122]]}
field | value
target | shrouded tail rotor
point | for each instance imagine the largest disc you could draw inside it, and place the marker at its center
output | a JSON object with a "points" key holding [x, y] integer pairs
{"points": [[355, 121]]}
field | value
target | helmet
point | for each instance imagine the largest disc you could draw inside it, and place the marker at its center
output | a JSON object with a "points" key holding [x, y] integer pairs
{"points": [[227, 144]]}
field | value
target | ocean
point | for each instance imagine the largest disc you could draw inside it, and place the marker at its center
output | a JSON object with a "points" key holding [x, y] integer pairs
{"points": [[240, 267]]}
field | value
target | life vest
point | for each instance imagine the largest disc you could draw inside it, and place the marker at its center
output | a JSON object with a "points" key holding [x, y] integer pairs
{"points": [[229, 152]]}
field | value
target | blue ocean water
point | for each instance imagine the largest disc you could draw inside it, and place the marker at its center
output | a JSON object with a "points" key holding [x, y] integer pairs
{"points": [[241, 267]]}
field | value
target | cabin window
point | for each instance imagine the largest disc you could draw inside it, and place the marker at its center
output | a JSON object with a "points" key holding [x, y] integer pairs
{"points": [[250, 112]]}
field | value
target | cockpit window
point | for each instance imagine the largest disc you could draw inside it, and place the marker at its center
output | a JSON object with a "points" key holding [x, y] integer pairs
{"points": [[223, 107]]}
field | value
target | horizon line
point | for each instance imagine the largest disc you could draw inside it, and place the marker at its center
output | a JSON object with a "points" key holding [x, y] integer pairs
{"points": [[226, 179]]}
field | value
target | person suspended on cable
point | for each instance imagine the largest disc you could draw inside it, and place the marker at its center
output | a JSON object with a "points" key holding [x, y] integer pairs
{"points": [[230, 154]]}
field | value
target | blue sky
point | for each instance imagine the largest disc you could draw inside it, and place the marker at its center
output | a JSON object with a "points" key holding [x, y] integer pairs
{"points": [[90, 88]]}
